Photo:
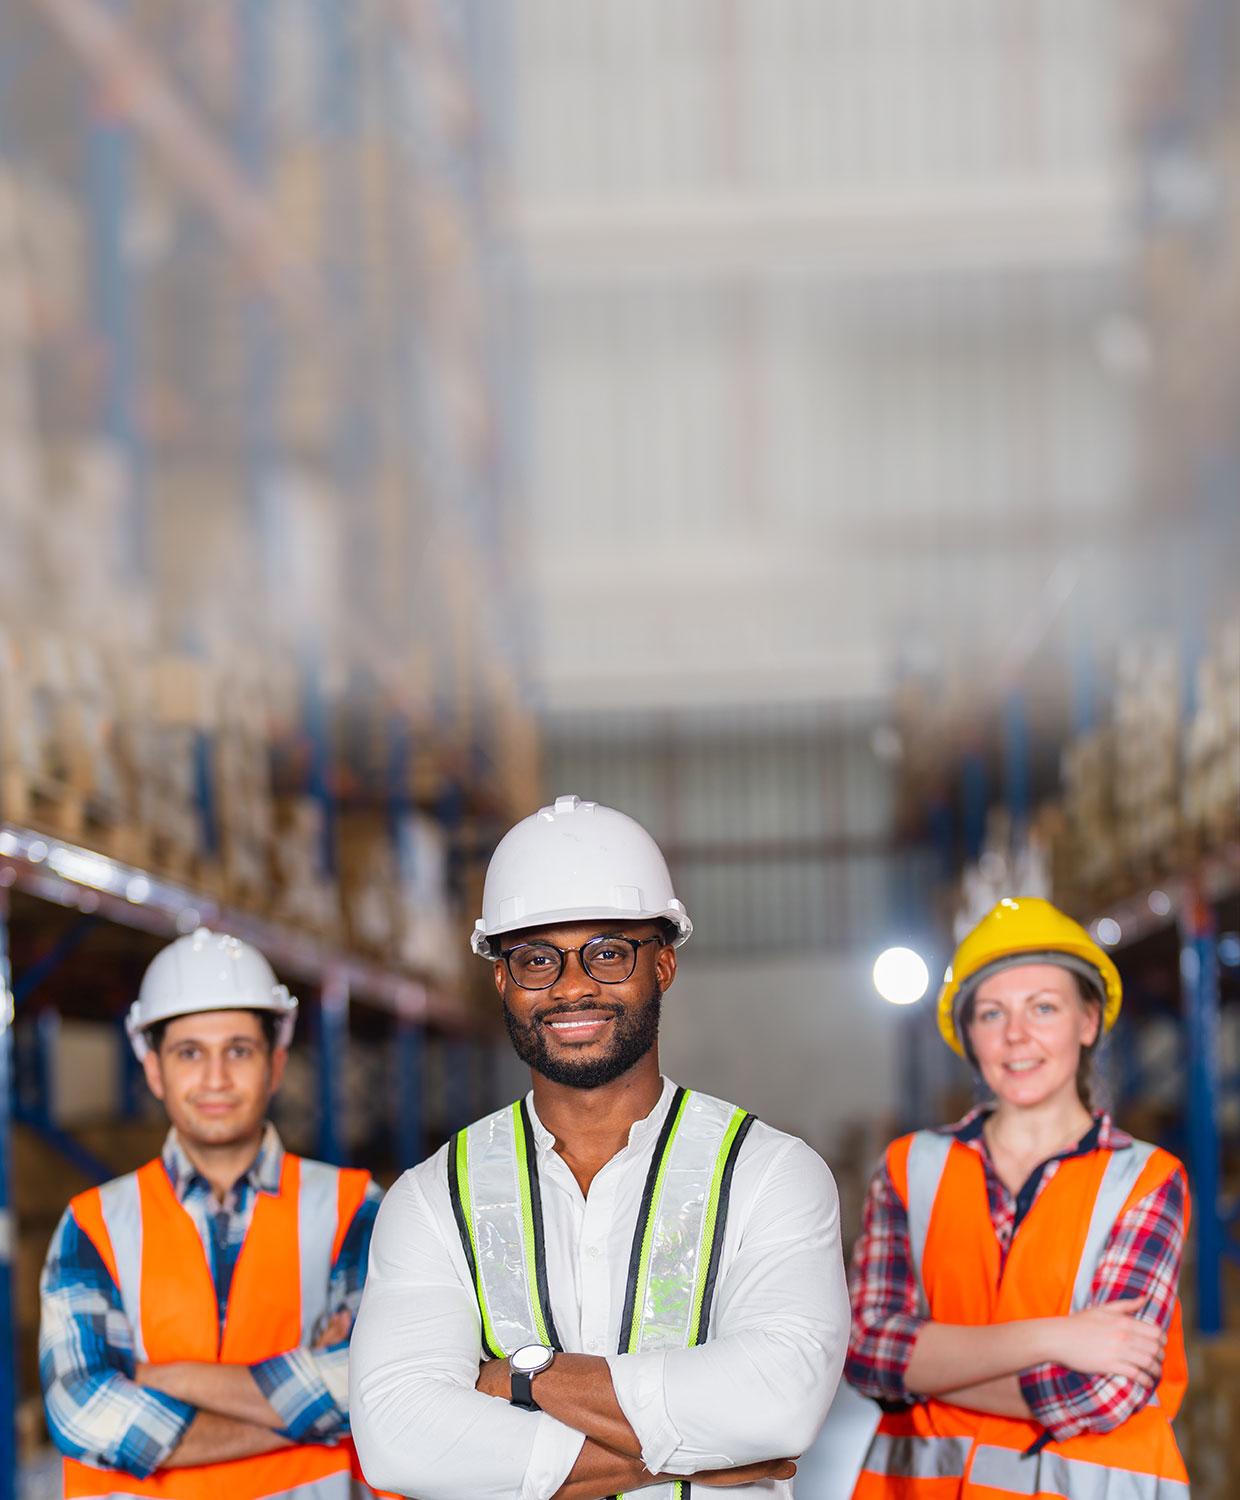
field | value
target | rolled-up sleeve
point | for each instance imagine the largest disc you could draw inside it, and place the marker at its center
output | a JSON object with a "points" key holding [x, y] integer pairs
{"points": [[420, 1426], [95, 1411], [885, 1315], [761, 1385], [1141, 1258]]}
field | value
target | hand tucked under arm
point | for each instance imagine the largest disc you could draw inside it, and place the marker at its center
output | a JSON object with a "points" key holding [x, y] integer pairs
{"points": [[213, 1439], [225, 1390]]}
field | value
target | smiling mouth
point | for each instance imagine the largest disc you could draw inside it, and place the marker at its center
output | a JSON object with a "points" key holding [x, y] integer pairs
{"points": [[578, 1026], [1026, 1066]]}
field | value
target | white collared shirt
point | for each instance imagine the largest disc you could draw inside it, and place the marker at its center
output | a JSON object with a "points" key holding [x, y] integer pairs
{"points": [[759, 1388]]}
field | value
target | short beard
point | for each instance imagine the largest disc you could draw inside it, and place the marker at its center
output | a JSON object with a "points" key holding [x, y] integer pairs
{"points": [[635, 1034]]}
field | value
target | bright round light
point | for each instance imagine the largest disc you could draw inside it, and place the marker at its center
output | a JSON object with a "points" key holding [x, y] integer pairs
{"points": [[1109, 931], [901, 976]]}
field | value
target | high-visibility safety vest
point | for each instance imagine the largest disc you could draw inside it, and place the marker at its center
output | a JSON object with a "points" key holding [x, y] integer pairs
{"points": [[677, 1240], [936, 1451], [154, 1254]]}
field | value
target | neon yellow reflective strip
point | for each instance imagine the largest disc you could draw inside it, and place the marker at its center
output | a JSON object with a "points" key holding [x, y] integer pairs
{"points": [[708, 1227], [527, 1224], [643, 1268], [467, 1207]]}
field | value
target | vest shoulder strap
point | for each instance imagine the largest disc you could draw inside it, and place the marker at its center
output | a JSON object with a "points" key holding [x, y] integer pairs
{"points": [[928, 1151], [678, 1239], [1125, 1173], [497, 1203]]}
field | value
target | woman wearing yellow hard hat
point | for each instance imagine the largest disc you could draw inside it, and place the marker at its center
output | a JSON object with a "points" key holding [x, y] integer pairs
{"points": [[1014, 1283]]}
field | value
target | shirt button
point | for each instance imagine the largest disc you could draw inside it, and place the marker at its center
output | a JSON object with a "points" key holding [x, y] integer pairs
{"points": [[594, 1345], [592, 1251]]}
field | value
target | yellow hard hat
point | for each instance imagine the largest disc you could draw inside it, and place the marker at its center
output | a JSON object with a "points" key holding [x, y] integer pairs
{"points": [[1024, 929]]}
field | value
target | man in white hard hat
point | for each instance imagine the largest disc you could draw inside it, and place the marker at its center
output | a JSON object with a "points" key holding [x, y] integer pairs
{"points": [[196, 1312], [615, 1283]]}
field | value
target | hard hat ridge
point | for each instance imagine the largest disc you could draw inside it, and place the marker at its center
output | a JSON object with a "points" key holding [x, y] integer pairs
{"points": [[204, 971], [1024, 930], [575, 861]]}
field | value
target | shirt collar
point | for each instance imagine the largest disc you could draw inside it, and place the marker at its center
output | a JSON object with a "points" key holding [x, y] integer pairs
{"points": [[1102, 1135], [263, 1173], [640, 1131]]}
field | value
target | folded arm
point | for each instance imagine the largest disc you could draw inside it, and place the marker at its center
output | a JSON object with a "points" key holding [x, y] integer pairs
{"points": [[760, 1386], [420, 1426], [96, 1411], [1084, 1372]]}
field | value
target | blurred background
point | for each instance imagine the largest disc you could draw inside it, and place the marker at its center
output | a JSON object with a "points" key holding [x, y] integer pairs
{"points": [[812, 426]]}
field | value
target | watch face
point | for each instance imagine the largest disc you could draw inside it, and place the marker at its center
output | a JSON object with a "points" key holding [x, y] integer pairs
{"points": [[530, 1358]]}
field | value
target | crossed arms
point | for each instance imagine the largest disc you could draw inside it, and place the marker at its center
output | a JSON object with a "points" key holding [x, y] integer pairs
{"points": [[427, 1422]]}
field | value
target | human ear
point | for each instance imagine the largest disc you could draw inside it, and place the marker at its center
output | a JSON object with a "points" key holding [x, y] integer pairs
{"points": [[154, 1074]]}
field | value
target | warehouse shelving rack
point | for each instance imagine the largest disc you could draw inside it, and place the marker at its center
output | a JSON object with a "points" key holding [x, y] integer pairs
{"points": [[103, 890]]}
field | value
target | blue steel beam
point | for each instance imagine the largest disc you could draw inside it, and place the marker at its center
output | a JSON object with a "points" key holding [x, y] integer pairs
{"points": [[333, 1039], [410, 1093], [973, 795], [8, 1349], [1199, 969], [1016, 781], [44, 967]]}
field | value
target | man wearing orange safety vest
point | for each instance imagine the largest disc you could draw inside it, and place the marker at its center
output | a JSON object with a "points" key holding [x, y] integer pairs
{"points": [[1014, 1283], [196, 1312]]}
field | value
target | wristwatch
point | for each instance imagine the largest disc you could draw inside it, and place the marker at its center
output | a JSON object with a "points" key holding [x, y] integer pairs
{"points": [[523, 1365]]}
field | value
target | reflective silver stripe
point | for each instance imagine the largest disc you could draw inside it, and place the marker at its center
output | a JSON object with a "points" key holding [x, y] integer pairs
{"points": [[316, 1232], [330, 1487], [677, 1239], [677, 1243], [1121, 1174], [927, 1156], [917, 1457], [1072, 1478], [122, 1213], [499, 1236]]}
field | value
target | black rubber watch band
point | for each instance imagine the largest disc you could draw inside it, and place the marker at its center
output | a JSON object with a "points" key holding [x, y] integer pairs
{"points": [[522, 1391]]}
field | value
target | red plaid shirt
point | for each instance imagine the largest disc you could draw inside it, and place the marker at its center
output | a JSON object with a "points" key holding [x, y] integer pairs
{"points": [[1141, 1259]]}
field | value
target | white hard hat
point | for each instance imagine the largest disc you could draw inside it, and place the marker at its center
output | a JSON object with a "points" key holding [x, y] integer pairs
{"points": [[574, 862], [207, 971]]}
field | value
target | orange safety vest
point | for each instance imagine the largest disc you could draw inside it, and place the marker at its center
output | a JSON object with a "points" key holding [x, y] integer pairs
{"points": [[154, 1254], [936, 1451]]}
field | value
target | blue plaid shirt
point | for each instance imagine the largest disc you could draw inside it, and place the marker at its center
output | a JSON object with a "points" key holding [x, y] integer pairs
{"points": [[97, 1414]]}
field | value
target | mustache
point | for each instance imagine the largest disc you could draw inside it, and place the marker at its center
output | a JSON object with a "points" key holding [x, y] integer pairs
{"points": [[575, 1010]]}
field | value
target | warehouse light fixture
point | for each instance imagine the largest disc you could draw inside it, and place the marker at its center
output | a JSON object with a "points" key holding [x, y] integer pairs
{"points": [[1108, 932], [1159, 903], [901, 976]]}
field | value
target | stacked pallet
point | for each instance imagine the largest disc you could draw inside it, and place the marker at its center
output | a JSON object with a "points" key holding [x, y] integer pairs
{"points": [[1211, 798], [1086, 855], [1146, 723]]}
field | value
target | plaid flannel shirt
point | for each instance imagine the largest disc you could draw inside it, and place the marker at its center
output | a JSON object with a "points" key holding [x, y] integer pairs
{"points": [[1141, 1258], [96, 1413]]}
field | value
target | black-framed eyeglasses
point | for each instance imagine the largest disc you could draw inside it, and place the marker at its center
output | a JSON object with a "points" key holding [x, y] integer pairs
{"points": [[610, 960]]}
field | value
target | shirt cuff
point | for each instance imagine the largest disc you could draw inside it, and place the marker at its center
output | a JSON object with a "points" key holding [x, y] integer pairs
{"points": [[552, 1457], [1044, 1389], [296, 1386], [638, 1383], [153, 1441], [877, 1361]]}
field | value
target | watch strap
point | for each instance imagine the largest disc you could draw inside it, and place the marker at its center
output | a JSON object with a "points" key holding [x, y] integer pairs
{"points": [[522, 1391]]}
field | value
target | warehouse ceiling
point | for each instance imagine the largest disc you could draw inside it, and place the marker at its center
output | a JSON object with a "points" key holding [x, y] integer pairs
{"points": [[837, 347]]}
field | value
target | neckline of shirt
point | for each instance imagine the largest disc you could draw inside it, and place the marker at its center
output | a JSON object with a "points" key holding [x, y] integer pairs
{"points": [[640, 1132]]}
